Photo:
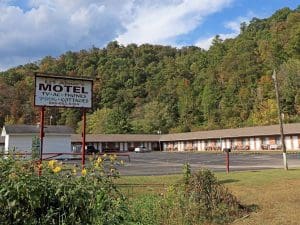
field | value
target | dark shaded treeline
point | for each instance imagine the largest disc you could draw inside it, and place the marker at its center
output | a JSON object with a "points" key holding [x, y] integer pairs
{"points": [[146, 88]]}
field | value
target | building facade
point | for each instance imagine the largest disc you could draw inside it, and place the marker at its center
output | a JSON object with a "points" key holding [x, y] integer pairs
{"points": [[249, 138], [60, 138], [20, 138], [117, 142]]}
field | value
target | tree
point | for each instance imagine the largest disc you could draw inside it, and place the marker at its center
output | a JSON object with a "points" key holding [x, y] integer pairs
{"points": [[265, 113], [155, 116], [210, 102], [289, 78], [96, 123], [70, 117]]}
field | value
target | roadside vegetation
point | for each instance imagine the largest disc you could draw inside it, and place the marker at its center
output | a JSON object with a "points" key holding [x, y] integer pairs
{"points": [[59, 196], [67, 196], [272, 195]]}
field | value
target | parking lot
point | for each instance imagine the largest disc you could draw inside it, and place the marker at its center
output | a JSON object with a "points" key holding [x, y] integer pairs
{"points": [[161, 163]]}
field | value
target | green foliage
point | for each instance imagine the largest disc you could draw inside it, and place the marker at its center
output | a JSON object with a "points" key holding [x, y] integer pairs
{"points": [[228, 85], [97, 121], [187, 172], [35, 147], [59, 197], [207, 200], [147, 210], [200, 199], [154, 117], [290, 87]]}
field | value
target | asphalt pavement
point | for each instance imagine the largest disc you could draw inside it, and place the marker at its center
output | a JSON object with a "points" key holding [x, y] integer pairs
{"points": [[163, 163]]}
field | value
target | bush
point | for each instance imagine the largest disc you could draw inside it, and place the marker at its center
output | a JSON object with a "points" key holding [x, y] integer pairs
{"points": [[204, 199], [60, 196], [146, 210], [198, 199]]}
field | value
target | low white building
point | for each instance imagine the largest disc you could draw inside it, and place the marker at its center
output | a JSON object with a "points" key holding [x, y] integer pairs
{"points": [[20, 138]]}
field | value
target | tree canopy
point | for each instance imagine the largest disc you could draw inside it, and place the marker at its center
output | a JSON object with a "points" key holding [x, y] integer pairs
{"points": [[142, 89]]}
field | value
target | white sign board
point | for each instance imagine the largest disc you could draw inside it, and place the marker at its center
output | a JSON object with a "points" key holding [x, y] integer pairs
{"points": [[63, 92]]}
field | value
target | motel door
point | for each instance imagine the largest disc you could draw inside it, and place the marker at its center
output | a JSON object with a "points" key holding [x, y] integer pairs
{"points": [[295, 143]]}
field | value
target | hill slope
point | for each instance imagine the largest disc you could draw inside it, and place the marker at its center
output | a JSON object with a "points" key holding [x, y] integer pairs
{"points": [[142, 89]]}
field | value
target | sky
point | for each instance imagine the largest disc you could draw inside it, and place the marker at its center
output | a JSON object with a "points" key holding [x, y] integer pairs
{"points": [[33, 29]]}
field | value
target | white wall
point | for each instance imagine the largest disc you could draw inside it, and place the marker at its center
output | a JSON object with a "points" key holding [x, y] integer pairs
{"points": [[295, 143], [257, 143], [57, 143], [6, 141], [52, 143], [18, 142], [252, 143], [288, 143]]}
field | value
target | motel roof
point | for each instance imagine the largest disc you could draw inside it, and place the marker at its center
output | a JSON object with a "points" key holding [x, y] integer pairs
{"points": [[117, 138], [293, 128], [289, 129], [35, 129]]}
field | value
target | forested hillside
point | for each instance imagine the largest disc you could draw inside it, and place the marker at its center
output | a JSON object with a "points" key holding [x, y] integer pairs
{"points": [[146, 88]]}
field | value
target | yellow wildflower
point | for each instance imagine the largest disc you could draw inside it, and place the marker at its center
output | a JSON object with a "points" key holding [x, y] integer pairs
{"points": [[74, 171], [105, 155], [83, 172], [56, 169], [112, 158], [99, 160], [12, 176], [52, 163]]}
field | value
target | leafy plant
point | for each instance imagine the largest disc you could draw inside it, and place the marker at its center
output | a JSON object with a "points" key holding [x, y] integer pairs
{"points": [[205, 199], [60, 196], [198, 199]]}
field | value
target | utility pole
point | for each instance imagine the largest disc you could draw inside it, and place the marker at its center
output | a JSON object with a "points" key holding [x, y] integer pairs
{"points": [[159, 133], [51, 117], [285, 164]]}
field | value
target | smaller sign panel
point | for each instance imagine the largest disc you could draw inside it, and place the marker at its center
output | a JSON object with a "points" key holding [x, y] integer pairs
{"points": [[63, 92]]}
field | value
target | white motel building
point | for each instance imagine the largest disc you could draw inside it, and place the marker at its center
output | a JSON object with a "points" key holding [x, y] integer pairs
{"points": [[20, 138], [62, 139]]}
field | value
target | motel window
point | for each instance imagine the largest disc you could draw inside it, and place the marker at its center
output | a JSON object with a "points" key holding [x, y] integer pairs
{"points": [[265, 140], [278, 140]]}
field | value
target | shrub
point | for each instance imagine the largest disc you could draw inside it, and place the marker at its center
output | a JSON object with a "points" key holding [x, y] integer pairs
{"points": [[198, 199], [146, 210], [205, 199], [60, 196]]}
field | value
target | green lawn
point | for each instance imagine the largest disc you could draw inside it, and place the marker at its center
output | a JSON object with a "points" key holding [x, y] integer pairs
{"points": [[275, 192]]}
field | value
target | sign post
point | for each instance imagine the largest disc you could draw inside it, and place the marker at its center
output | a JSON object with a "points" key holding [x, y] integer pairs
{"points": [[42, 134], [83, 138], [60, 91], [227, 150]]}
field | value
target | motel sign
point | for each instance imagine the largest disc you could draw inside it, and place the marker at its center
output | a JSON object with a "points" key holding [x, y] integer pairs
{"points": [[63, 92]]}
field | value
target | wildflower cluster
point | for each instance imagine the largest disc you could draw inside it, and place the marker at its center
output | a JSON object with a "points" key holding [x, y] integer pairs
{"points": [[58, 197], [103, 166], [54, 166]]}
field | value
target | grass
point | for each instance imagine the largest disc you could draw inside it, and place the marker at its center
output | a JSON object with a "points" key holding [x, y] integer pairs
{"points": [[275, 192]]}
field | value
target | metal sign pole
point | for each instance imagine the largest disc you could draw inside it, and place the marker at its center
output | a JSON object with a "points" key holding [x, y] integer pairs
{"points": [[227, 161], [42, 134], [83, 137]]}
